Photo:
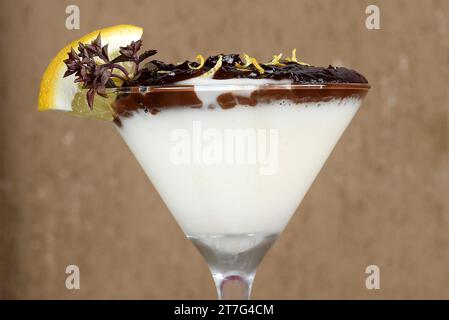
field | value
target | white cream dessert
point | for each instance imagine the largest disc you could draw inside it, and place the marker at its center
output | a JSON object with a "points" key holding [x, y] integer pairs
{"points": [[232, 145], [209, 195]]}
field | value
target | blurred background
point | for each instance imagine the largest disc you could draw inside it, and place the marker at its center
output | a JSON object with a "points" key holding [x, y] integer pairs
{"points": [[72, 193]]}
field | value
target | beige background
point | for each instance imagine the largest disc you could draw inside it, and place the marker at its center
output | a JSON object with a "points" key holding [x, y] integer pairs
{"points": [[71, 192]]}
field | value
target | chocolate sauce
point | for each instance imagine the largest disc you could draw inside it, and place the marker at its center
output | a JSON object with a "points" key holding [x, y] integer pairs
{"points": [[185, 97], [154, 101], [309, 84], [158, 72]]}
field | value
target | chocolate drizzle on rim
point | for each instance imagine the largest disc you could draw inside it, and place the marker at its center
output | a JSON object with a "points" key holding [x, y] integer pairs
{"points": [[153, 99], [232, 66], [97, 72], [308, 83]]}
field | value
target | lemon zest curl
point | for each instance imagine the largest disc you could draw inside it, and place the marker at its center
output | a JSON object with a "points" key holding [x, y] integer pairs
{"points": [[212, 71], [250, 61], [294, 59], [200, 60], [276, 61]]}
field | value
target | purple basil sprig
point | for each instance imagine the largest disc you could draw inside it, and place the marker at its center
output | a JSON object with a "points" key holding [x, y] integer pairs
{"points": [[94, 69]]}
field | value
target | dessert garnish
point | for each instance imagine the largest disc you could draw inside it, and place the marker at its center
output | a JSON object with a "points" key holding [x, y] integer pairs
{"points": [[78, 78], [96, 71]]}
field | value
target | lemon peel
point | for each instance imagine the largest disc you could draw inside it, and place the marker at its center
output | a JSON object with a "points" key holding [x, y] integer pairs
{"points": [[212, 71], [276, 61], [250, 61], [200, 60], [247, 60], [294, 59]]}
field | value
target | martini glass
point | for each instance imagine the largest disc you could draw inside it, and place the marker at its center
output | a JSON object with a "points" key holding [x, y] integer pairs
{"points": [[232, 161]]}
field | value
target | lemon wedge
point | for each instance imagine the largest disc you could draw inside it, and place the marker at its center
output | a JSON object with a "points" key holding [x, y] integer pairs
{"points": [[58, 93]]}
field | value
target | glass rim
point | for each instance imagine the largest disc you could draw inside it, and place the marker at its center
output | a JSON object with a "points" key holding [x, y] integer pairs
{"points": [[239, 87]]}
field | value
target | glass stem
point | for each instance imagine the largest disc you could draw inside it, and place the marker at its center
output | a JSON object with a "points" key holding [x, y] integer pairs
{"points": [[233, 286], [233, 260]]}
